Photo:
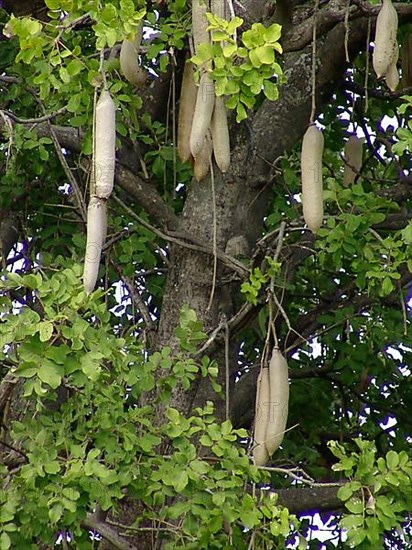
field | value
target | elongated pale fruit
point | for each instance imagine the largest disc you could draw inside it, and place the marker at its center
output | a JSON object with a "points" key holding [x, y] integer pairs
{"points": [[205, 102], [353, 159], [202, 161], [187, 105], [200, 23], [312, 186], [104, 146], [262, 408], [278, 401], [220, 135], [385, 38], [392, 74], [129, 64], [96, 235], [392, 77]]}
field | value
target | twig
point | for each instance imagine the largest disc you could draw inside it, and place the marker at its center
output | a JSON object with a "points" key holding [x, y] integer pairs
{"points": [[101, 69], [267, 237], [286, 318], [272, 295], [43, 118], [347, 31], [368, 39], [68, 172], [63, 161], [212, 181], [211, 338], [252, 540], [236, 320], [377, 236], [315, 335], [6, 119], [170, 528], [404, 316], [230, 262], [79, 21], [300, 478], [281, 236], [313, 109], [14, 449], [136, 298], [227, 368]]}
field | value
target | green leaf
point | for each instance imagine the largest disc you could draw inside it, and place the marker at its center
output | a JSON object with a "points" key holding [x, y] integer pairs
{"points": [[234, 23], [64, 75], [265, 55], [56, 512], [406, 234], [255, 59], [148, 442], [52, 467], [5, 542], [354, 505], [218, 36], [50, 373], [45, 331], [250, 518], [91, 366], [74, 67], [352, 522], [180, 480], [53, 4], [392, 460], [241, 113], [229, 50], [270, 90], [108, 13], [345, 492], [272, 33]]}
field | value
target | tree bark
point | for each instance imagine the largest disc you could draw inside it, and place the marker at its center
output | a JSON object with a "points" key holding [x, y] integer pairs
{"points": [[235, 204]]}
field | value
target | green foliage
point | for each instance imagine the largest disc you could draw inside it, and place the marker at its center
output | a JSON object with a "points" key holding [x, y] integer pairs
{"points": [[351, 226], [378, 494], [404, 135], [251, 288], [102, 443], [241, 72], [348, 328], [171, 31]]}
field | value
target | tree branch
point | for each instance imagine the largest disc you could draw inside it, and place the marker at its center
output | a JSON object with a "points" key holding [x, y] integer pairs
{"points": [[90, 522], [139, 190], [278, 125], [309, 499], [146, 195], [300, 36]]}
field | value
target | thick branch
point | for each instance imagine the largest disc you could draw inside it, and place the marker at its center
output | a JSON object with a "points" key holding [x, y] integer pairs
{"points": [[278, 125], [310, 499], [334, 12], [107, 532], [139, 190], [147, 196]]}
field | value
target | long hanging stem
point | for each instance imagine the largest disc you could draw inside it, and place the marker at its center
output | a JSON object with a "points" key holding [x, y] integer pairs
{"points": [[101, 69], [365, 85], [315, 16], [347, 10], [212, 180]]}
